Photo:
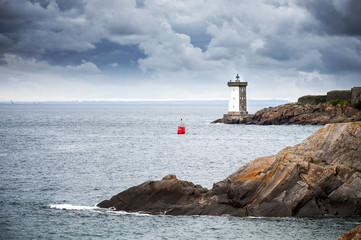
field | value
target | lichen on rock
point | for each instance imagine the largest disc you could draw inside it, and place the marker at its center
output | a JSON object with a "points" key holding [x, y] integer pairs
{"points": [[354, 234]]}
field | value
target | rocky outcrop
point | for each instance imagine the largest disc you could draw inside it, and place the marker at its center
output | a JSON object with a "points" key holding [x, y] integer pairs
{"points": [[320, 176], [158, 197], [354, 234], [292, 113]]}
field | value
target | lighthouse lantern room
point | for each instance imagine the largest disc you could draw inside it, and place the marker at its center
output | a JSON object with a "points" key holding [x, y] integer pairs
{"points": [[237, 103]]}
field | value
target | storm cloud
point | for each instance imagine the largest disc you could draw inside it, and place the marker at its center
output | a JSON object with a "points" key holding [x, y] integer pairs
{"points": [[183, 49]]}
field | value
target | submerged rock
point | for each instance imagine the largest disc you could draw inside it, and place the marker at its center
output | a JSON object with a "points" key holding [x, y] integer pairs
{"points": [[320, 176]]}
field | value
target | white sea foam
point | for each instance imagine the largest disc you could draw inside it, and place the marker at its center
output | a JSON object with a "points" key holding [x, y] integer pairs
{"points": [[94, 208], [72, 207], [114, 212]]}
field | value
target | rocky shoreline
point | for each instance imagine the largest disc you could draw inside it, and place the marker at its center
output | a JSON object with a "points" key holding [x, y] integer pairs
{"points": [[319, 177], [301, 114]]}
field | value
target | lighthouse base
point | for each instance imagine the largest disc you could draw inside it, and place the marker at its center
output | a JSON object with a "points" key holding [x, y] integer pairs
{"points": [[234, 118], [242, 113]]}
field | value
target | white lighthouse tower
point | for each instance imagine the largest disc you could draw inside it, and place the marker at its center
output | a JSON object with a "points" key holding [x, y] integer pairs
{"points": [[237, 102]]}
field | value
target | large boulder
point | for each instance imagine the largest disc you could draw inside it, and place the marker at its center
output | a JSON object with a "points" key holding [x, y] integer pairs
{"points": [[156, 196], [320, 176]]}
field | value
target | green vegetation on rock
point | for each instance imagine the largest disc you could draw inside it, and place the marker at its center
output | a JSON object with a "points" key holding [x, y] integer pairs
{"points": [[342, 102], [320, 100]]}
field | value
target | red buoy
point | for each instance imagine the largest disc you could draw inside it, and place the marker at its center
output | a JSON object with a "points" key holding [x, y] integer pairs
{"points": [[181, 128]]}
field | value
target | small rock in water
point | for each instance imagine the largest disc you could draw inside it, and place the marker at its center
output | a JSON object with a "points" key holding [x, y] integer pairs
{"points": [[170, 177]]}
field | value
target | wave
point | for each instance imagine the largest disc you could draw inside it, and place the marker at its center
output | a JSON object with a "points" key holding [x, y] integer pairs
{"points": [[72, 207], [94, 208]]}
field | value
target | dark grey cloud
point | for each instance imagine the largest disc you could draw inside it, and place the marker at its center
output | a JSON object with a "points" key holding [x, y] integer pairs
{"points": [[60, 30], [33, 27], [15, 16], [140, 3], [106, 55], [64, 5], [197, 33], [341, 58], [278, 49], [43, 3], [289, 42], [336, 17]]}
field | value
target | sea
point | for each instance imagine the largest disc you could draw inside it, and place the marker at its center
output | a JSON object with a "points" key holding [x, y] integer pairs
{"points": [[58, 160]]}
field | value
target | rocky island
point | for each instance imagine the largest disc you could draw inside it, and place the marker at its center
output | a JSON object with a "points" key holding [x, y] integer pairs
{"points": [[319, 177], [335, 107]]}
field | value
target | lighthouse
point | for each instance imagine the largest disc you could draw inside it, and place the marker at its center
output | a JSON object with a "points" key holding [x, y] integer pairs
{"points": [[237, 102]]}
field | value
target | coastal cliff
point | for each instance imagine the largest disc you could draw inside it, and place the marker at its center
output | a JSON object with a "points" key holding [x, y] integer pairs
{"points": [[300, 114], [320, 176]]}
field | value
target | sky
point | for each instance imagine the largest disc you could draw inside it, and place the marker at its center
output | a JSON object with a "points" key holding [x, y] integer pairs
{"points": [[91, 50]]}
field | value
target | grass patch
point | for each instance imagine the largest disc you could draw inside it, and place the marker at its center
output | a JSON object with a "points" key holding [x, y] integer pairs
{"points": [[342, 102]]}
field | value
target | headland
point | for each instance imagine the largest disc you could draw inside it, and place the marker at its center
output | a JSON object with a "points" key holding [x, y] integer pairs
{"points": [[334, 107], [319, 177]]}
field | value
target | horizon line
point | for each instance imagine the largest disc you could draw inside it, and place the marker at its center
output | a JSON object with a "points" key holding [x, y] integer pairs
{"points": [[127, 101], [142, 100]]}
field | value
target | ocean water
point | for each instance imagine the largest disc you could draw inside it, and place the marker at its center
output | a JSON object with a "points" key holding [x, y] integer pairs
{"points": [[57, 161]]}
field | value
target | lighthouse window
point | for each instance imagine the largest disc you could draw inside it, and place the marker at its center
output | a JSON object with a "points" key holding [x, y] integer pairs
{"points": [[233, 98], [233, 89]]}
